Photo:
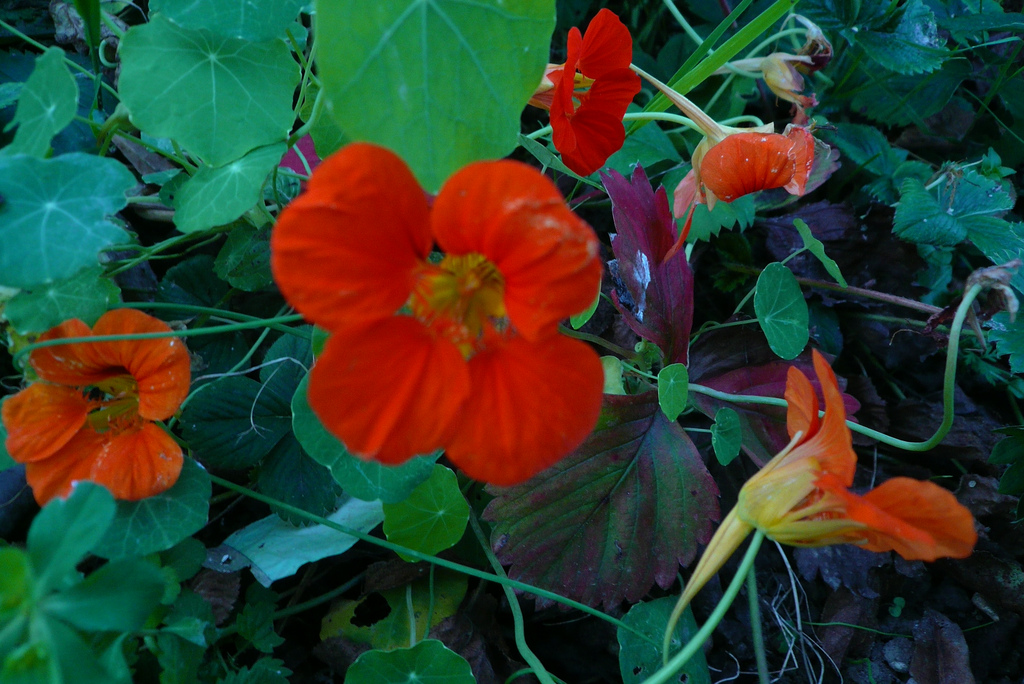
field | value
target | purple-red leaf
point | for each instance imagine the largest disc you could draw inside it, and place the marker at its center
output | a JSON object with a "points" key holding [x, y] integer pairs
{"points": [[739, 361], [654, 295], [614, 517]]}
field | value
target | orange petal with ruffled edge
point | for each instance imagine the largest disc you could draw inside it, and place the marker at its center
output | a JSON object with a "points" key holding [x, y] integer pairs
{"points": [[514, 216], [832, 444], [161, 367], [607, 45], [918, 520], [71, 364], [802, 404], [531, 404], [747, 162], [133, 465], [344, 252], [41, 419], [389, 391]]}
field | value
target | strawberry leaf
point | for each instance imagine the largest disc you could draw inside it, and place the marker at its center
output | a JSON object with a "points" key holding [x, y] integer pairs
{"points": [[616, 516]]}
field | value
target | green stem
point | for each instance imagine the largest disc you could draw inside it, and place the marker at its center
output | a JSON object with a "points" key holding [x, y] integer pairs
{"points": [[217, 313], [756, 634], [420, 556], [671, 668], [513, 603]]}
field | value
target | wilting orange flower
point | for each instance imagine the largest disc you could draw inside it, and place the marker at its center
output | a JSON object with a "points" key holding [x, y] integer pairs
{"points": [[597, 75], [91, 416], [462, 352], [802, 497]]}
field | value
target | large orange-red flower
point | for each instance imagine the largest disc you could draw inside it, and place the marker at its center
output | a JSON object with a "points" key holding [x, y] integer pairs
{"points": [[91, 416], [596, 74], [802, 497], [461, 352]]}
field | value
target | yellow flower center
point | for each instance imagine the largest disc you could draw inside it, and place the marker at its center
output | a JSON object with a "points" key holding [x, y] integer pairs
{"points": [[119, 409], [460, 299]]}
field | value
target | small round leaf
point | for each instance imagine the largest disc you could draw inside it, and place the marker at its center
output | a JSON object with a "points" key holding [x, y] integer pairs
{"points": [[432, 518], [781, 311]]}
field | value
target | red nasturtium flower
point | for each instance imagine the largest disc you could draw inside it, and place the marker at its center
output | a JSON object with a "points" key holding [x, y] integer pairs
{"points": [[91, 415], [802, 496], [462, 352], [596, 73]]}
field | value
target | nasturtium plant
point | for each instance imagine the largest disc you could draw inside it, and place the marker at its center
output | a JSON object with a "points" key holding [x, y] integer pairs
{"points": [[432, 518], [781, 310]]}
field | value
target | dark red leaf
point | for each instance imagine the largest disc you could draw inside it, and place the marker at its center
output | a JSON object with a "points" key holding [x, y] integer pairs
{"points": [[654, 295], [614, 517]]}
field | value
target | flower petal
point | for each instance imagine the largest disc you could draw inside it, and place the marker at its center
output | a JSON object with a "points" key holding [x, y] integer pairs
{"points": [[801, 156], [72, 364], [747, 162], [802, 403], [517, 218], [918, 520], [41, 419], [132, 465], [597, 124], [607, 46], [344, 251], [390, 391], [531, 404], [161, 367]]}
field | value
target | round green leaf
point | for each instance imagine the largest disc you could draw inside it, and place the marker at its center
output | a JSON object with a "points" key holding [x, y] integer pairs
{"points": [[255, 20], [366, 480], [53, 221], [673, 389], [726, 435], [86, 295], [639, 658], [216, 196], [219, 97], [432, 518], [447, 79], [161, 521], [781, 310], [46, 105], [428, 662]]}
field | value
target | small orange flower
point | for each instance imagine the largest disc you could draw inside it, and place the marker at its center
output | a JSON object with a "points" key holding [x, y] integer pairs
{"points": [[463, 352], [597, 61], [91, 417], [801, 497]]}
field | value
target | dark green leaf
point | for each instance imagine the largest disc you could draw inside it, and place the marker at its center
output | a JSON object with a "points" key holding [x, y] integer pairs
{"points": [[46, 105], [781, 311], [458, 75], [65, 530], [432, 518], [159, 522], [1009, 339], [179, 659], [70, 197], [428, 662], [87, 295], [263, 671], [244, 260], [255, 624], [726, 435], [367, 480], [944, 218], [1000, 242], [640, 658], [289, 475], [814, 246], [116, 598], [898, 100], [615, 516], [647, 146]]}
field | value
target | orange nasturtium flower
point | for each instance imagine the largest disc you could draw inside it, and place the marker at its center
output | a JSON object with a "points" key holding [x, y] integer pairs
{"points": [[91, 415], [461, 352], [596, 74], [802, 497]]}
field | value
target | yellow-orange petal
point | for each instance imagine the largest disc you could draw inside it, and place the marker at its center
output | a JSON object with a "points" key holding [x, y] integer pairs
{"points": [[517, 218], [132, 465], [41, 419], [832, 444], [531, 404], [161, 367], [389, 391], [802, 404], [344, 252], [918, 520]]}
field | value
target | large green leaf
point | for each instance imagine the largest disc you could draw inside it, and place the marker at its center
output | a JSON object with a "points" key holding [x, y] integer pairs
{"points": [[67, 529], [441, 82], [781, 311], [432, 518], [366, 480], [159, 522], [428, 662], [216, 196], [86, 295], [53, 220], [615, 516], [253, 20], [47, 104], [946, 217], [219, 97], [116, 598], [639, 658]]}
